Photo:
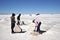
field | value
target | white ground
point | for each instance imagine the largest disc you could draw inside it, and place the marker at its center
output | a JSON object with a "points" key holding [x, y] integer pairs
{"points": [[50, 23]]}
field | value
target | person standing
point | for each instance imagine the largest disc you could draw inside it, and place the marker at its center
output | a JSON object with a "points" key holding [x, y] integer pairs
{"points": [[12, 22], [18, 21]]}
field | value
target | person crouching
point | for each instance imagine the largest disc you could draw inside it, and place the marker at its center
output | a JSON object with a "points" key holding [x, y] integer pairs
{"points": [[37, 24]]}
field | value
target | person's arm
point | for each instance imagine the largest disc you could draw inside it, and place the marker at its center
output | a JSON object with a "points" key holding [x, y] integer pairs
{"points": [[36, 24], [14, 20]]}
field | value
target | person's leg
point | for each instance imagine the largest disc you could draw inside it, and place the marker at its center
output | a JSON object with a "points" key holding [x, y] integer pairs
{"points": [[35, 28], [39, 27], [12, 27], [18, 23]]}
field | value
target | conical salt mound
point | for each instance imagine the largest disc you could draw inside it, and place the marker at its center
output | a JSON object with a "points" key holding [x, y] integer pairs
{"points": [[17, 29]]}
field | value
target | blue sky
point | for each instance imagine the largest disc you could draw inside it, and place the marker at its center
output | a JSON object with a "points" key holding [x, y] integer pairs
{"points": [[30, 6]]}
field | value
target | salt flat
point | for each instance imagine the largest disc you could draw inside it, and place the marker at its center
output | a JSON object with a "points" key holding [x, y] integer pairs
{"points": [[50, 23]]}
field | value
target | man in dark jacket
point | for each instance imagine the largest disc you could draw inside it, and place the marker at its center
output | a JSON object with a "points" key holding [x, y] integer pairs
{"points": [[12, 22]]}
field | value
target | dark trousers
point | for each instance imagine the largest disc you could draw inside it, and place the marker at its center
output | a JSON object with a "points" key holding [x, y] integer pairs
{"points": [[12, 27], [38, 27]]}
